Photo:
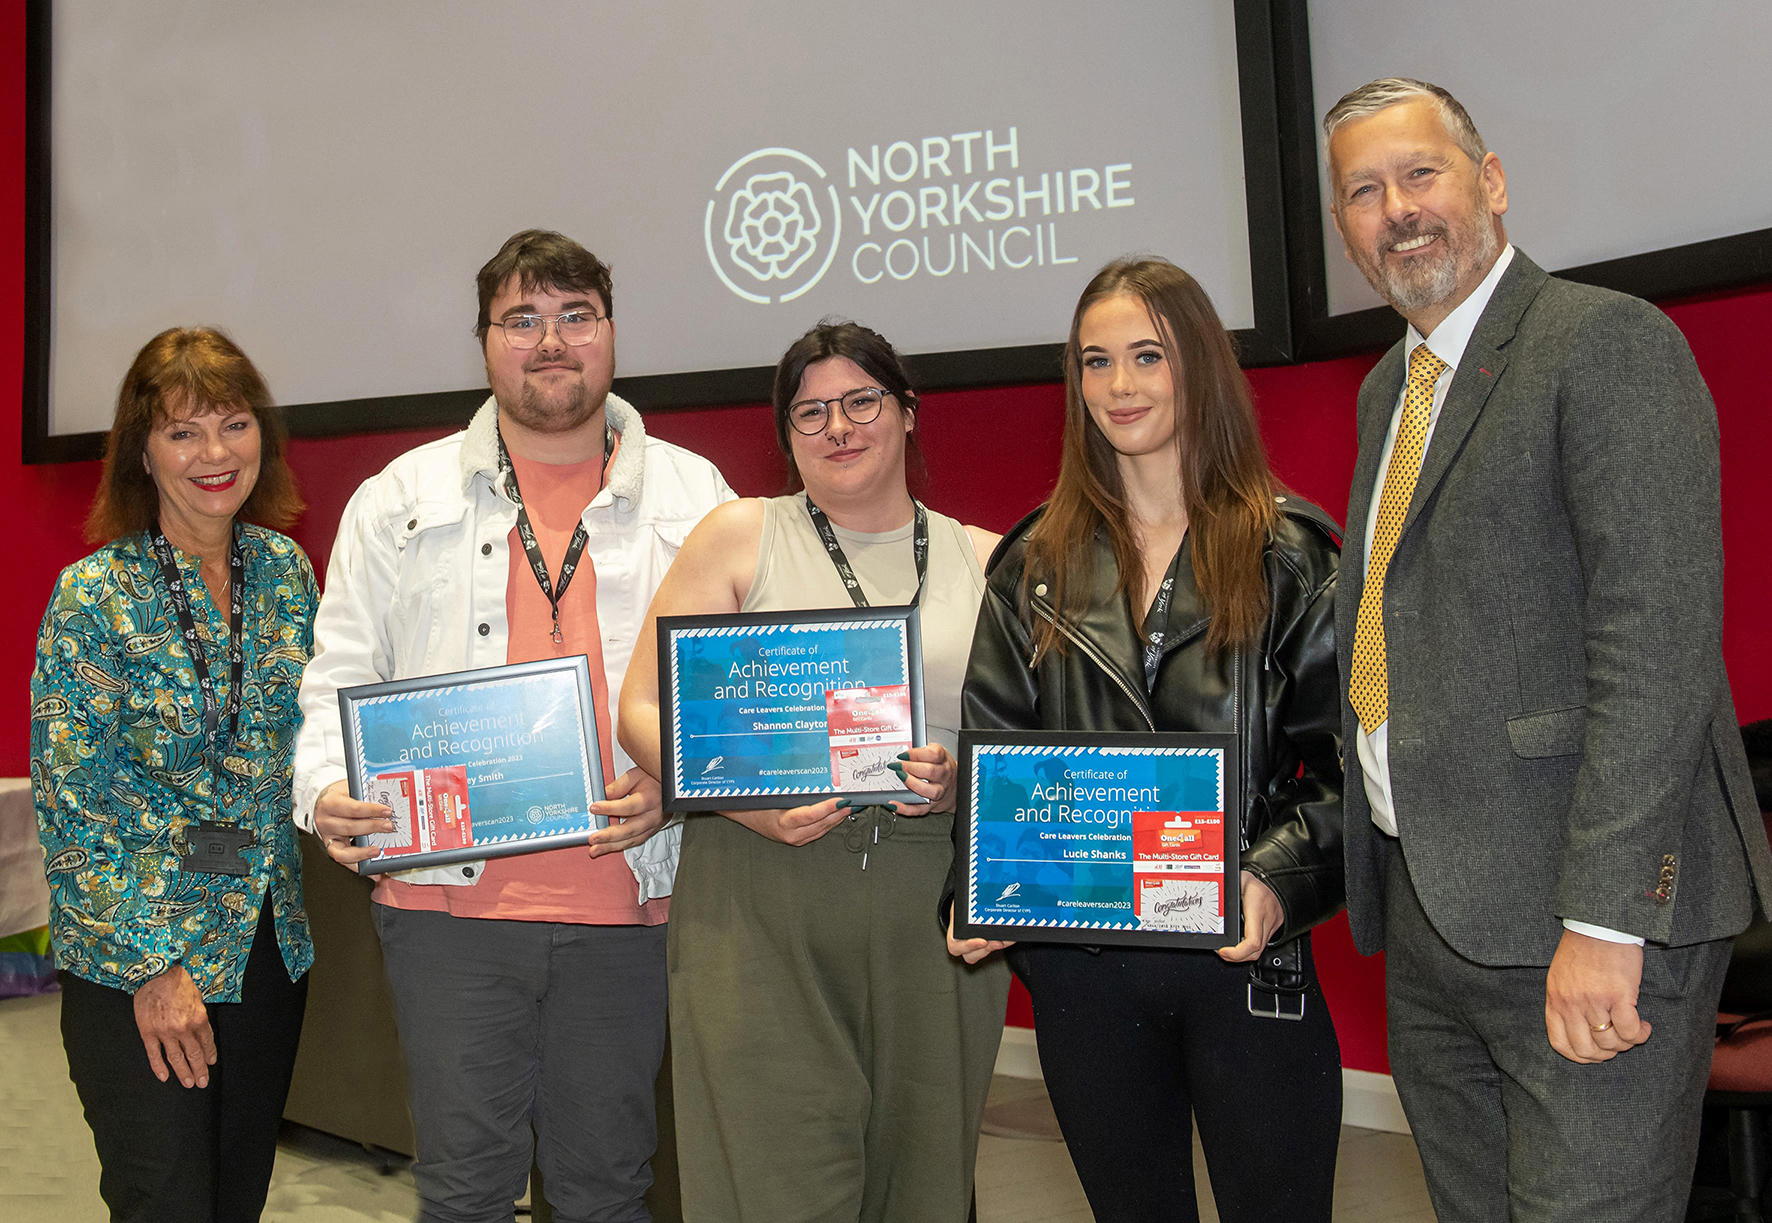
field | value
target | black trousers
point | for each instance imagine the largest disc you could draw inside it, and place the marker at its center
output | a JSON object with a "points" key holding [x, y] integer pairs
{"points": [[171, 1153], [1131, 1039]]}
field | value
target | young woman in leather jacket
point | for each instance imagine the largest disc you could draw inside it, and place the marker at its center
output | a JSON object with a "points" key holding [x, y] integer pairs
{"points": [[1166, 516]]}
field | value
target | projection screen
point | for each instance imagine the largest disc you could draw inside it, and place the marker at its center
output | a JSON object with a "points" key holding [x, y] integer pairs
{"points": [[1625, 126], [324, 179]]}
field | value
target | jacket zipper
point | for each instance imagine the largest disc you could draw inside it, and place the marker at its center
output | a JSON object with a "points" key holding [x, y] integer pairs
{"points": [[1243, 761], [1099, 661]]}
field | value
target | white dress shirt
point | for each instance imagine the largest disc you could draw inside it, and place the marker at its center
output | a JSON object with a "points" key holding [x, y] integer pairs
{"points": [[1448, 342]]}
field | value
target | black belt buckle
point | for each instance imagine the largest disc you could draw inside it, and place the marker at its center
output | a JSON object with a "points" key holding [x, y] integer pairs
{"points": [[1275, 1009], [215, 849], [1277, 981]]}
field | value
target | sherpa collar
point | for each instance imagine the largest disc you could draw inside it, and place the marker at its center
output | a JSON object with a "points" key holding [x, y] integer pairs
{"points": [[479, 449]]}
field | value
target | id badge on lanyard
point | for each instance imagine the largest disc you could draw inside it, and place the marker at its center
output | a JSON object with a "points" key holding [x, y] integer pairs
{"points": [[213, 847]]}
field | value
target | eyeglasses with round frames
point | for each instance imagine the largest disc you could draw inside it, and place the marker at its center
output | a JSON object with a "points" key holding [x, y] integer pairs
{"points": [[860, 406], [575, 327]]}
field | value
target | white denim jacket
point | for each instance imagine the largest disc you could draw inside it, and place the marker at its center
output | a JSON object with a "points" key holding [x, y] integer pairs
{"points": [[416, 586]]}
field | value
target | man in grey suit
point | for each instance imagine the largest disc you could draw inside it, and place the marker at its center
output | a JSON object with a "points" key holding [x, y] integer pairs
{"points": [[1551, 831]]}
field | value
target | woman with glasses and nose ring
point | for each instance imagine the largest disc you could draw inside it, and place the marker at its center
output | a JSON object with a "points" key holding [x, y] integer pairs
{"points": [[830, 1059]]}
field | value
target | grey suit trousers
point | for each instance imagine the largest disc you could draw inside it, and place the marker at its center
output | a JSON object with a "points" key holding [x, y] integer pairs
{"points": [[1504, 1122]]}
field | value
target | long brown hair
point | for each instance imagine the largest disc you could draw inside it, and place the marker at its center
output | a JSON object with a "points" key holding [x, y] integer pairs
{"points": [[1226, 486], [195, 367]]}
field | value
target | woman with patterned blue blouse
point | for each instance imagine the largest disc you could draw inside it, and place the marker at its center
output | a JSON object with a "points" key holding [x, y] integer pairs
{"points": [[163, 717]]}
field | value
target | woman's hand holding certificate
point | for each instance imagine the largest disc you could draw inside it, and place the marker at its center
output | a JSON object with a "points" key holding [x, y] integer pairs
{"points": [[928, 771], [794, 825], [1262, 918]]}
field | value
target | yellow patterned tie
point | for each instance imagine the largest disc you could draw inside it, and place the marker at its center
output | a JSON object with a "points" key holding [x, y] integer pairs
{"points": [[1369, 688]]}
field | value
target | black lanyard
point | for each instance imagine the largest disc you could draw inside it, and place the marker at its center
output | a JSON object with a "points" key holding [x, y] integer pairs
{"points": [[574, 549], [919, 549], [1157, 626], [180, 599]]}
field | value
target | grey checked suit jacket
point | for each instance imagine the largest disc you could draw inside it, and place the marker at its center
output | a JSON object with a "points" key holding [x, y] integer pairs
{"points": [[1562, 737]]}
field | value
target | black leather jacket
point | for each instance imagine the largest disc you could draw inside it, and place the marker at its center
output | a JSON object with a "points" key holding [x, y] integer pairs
{"points": [[1281, 695]]}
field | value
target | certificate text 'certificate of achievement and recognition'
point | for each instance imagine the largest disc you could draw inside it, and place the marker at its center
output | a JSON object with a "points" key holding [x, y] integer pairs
{"points": [[476, 764], [780, 709], [1099, 838]]}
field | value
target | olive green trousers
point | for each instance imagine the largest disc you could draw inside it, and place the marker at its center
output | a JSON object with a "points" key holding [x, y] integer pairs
{"points": [[831, 1060]]}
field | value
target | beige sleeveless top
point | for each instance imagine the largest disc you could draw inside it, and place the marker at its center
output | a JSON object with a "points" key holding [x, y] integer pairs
{"points": [[794, 572]]}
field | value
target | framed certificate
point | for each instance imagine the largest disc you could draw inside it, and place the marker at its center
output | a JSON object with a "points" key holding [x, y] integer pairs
{"points": [[1099, 838], [476, 764], [780, 709]]}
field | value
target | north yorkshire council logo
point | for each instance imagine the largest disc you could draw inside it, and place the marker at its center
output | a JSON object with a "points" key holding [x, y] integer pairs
{"points": [[773, 225]]}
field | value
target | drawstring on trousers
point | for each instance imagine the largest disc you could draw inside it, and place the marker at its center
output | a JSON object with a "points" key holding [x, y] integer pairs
{"points": [[863, 831]]}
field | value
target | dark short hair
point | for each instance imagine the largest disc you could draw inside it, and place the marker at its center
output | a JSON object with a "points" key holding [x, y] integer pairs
{"points": [[541, 258], [204, 369], [862, 345]]}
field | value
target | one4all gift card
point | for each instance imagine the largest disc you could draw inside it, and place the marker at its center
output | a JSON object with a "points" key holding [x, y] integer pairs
{"points": [[1178, 870], [430, 810], [868, 729]]}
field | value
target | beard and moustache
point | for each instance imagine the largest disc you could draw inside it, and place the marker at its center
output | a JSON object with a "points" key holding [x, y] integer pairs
{"points": [[1420, 284], [558, 411]]}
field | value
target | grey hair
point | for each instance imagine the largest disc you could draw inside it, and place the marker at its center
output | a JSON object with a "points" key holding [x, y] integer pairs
{"points": [[1389, 91]]}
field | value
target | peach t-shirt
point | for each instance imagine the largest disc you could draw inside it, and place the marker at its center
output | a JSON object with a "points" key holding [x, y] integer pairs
{"points": [[558, 885]]}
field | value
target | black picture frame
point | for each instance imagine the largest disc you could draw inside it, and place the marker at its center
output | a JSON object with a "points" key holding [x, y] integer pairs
{"points": [[732, 799], [576, 667], [966, 848]]}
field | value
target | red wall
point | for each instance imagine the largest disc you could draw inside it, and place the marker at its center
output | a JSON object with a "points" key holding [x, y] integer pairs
{"points": [[992, 455]]}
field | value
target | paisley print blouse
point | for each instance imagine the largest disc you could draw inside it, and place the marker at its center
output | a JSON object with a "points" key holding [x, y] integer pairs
{"points": [[119, 768]]}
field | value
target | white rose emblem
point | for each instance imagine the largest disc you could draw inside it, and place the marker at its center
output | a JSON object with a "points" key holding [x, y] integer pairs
{"points": [[772, 225]]}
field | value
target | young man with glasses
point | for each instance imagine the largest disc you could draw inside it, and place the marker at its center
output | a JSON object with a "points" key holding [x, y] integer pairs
{"points": [[529, 990]]}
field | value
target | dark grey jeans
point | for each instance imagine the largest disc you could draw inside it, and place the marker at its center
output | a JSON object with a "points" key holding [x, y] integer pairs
{"points": [[1507, 1127], [528, 1038]]}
